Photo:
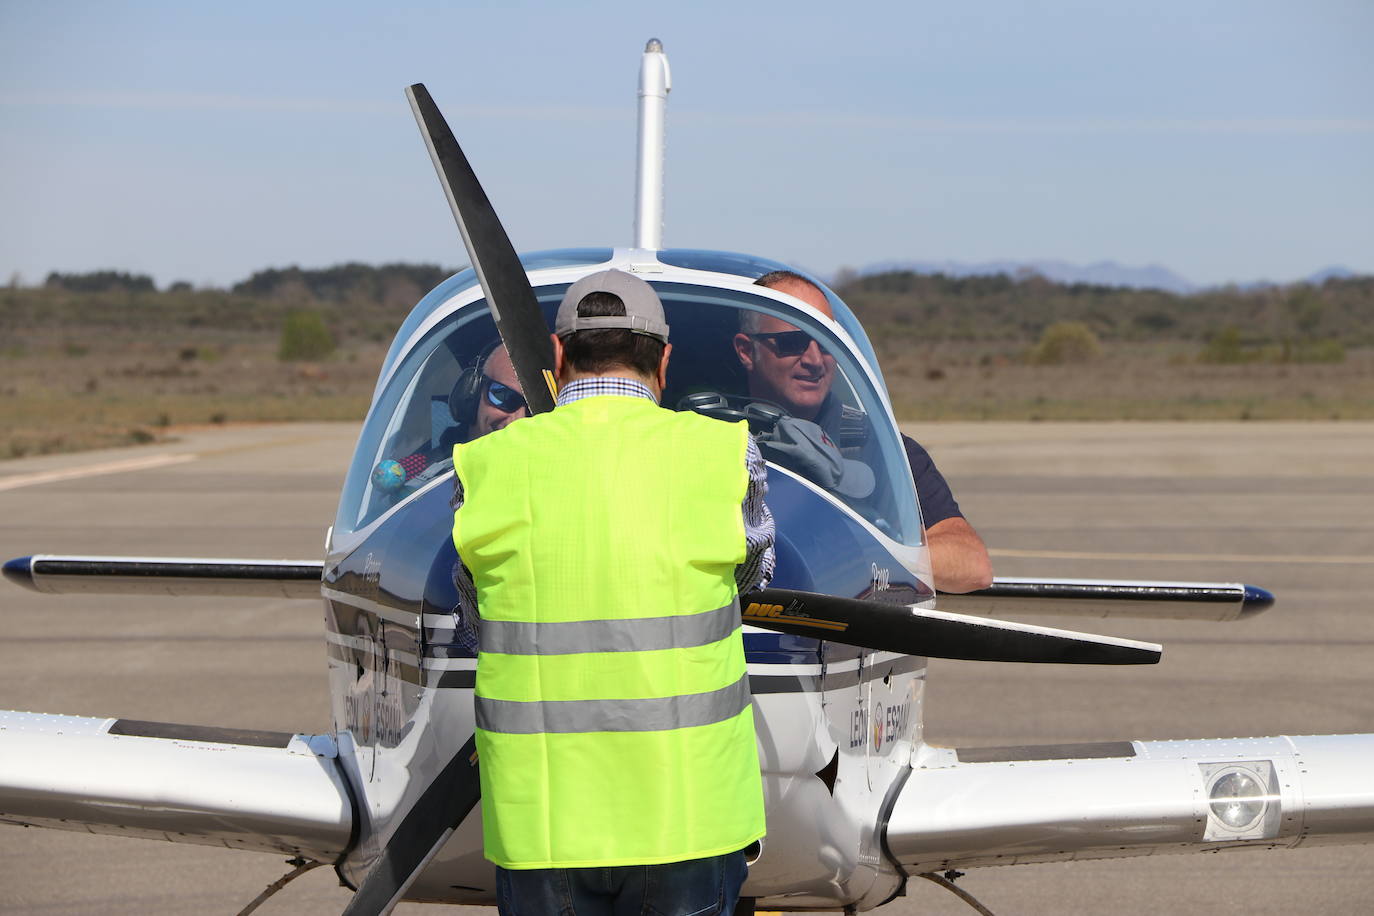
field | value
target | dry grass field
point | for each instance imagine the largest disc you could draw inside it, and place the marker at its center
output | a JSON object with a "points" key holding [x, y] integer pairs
{"points": [[66, 393], [63, 392], [96, 360], [1128, 382]]}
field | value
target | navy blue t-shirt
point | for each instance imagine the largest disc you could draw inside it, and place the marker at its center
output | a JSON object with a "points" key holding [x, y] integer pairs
{"points": [[937, 502]]}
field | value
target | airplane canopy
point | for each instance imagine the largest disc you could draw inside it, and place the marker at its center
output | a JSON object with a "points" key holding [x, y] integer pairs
{"points": [[848, 448]]}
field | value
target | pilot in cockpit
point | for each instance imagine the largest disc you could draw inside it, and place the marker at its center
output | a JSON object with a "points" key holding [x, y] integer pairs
{"points": [[491, 397], [785, 366], [485, 398]]}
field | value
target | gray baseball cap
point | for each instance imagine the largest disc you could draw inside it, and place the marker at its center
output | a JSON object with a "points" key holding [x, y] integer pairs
{"points": [[643, 310]]}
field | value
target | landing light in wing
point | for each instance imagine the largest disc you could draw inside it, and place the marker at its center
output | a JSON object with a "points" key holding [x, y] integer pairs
{"points": [[1237, 799], [1243, 799]]}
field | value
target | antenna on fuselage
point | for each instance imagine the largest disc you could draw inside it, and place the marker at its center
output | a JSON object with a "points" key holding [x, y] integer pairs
{"points": [[654, 84]]}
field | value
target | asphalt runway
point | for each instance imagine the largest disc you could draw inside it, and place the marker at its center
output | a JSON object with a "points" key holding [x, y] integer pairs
{"points": [[1284, 505]]}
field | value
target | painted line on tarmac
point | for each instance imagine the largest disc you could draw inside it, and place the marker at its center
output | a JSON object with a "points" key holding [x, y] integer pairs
{"points": [[1330, 560], [94, 470]]}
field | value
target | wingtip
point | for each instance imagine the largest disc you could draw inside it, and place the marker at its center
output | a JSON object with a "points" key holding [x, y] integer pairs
{"points": [[1256, 600], [20, 572]]}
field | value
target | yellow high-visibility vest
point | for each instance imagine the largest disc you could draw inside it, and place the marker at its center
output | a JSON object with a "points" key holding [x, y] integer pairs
{"points": [[614, 722]]}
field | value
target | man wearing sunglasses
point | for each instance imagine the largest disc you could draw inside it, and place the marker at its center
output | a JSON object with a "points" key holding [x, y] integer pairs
{"points": [[499, 401], [786, 366], [485, 398]]}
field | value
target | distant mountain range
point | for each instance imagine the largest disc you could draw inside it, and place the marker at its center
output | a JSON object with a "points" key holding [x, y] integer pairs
{"points": [[1331, 273], [1102, 273]]}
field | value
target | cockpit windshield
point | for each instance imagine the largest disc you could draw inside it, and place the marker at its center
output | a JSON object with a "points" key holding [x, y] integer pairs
{"points": [[737, 355], [466, 279], [753, 267]]}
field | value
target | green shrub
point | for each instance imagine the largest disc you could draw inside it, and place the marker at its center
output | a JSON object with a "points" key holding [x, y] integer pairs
{"points": [[305, 337], [1319, 351], [1066, 342], [1156, 322], [1225, 347]]}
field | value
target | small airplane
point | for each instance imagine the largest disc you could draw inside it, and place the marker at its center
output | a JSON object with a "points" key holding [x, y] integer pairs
{"points": [[857, 800]]}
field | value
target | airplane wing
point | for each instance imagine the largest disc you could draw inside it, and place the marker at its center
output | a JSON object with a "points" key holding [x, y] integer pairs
{"points": [[67, 575], [1104, 598], [970, 807], [62, 575], [263, 791]]}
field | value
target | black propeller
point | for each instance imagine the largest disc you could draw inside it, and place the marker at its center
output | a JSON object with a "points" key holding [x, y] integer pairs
{"points": [[934, 634], [435, 815], [868, 624], [518, 318], [448, 800]]}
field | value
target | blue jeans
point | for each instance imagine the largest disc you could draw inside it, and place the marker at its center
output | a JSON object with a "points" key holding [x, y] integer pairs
{"points": [[697, 887]]}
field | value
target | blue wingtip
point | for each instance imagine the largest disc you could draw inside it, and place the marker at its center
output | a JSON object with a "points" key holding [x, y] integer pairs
{"points": [[1256, 600], [20, 572]]}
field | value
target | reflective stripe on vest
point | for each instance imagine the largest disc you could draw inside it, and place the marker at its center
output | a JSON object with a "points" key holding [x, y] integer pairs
{"points": [[614, 722], [654, 714], [513, 637]]}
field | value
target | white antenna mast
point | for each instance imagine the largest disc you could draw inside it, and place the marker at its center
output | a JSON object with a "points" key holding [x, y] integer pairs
{"points": [[654, 83]]}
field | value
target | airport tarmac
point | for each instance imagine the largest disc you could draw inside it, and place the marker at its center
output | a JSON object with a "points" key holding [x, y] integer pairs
{"points": [[1288, 506]]}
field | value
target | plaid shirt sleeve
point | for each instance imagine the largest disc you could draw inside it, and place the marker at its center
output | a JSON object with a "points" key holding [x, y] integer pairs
{"points": [[759, 531], [466, 620]]}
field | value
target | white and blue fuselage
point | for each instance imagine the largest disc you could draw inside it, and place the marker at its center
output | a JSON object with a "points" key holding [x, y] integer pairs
{"points": [[836, 724]]}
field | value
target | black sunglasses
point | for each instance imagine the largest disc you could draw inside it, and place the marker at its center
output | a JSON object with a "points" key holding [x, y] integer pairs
{"points": [[786, 343], [504, 398]]}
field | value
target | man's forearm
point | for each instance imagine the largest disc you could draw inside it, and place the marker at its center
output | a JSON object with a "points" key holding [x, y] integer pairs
{"points": [[958, 558]]}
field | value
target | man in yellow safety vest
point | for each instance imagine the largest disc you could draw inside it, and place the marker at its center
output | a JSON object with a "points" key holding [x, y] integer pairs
{"points": [[608, 542]]}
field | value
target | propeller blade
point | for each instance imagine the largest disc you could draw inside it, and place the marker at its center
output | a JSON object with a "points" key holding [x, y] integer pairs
{"points": [[519, 320], [436, 814], [452, 795], [935, 634]]}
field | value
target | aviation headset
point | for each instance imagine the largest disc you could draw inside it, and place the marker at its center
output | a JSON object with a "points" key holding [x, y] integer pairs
{"points": [[462, 400]]}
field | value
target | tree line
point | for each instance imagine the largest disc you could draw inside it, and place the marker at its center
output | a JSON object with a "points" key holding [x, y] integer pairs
{"points": [[337, 283], [364, 301], [1005, 308]]}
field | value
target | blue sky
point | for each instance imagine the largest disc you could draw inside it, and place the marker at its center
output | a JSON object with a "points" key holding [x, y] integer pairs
{"points": [[1224, 140]]}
